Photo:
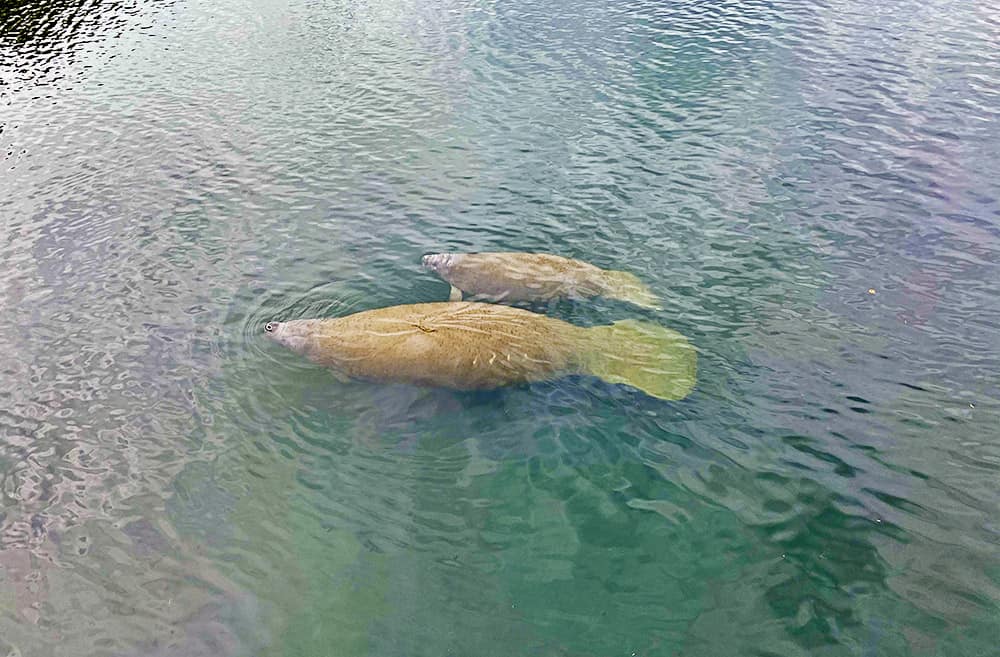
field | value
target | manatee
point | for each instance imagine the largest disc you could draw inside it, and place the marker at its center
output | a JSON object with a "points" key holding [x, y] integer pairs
{"points": [[468, 345], [535, 277]]}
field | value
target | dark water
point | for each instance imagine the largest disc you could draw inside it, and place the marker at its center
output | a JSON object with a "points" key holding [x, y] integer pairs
{"points": [[175, 174]]}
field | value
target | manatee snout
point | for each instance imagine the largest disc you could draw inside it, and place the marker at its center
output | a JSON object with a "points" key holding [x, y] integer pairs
{"points": [[438, 262], [295, 333], [275, 331]]}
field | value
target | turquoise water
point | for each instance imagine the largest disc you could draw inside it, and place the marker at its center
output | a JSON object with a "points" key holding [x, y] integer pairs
{"points": [[176, 174]]}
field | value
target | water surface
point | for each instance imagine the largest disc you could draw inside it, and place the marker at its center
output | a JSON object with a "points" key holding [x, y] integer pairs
{"points": [[175, 174]]}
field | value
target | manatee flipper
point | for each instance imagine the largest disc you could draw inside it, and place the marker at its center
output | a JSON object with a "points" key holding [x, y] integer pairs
{"points": [[654, 359], [488, 298], [627, 287], [456, 294]]}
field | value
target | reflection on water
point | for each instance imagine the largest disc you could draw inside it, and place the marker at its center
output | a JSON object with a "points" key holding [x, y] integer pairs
{"points": [[173, 484]]}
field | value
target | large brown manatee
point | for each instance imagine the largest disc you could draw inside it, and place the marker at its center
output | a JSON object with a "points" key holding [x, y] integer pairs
{"points": [[470, 346], [514, 276]]}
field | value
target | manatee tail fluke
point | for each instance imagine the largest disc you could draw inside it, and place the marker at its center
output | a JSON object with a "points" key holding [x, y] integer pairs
{"points": [[627, 287], [654, 359]]}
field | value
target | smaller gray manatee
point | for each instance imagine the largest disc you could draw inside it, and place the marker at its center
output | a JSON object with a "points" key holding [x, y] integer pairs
{"points": [[516, 276]]}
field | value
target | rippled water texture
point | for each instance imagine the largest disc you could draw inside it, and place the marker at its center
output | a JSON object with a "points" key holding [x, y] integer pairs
{"points": [[810, 186]]}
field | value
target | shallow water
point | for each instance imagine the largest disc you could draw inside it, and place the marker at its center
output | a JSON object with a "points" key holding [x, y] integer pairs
{"points": [[175, 174]]}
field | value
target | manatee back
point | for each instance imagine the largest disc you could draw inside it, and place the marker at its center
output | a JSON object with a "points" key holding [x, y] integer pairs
{"points": [[524, 276], [461, 345]]}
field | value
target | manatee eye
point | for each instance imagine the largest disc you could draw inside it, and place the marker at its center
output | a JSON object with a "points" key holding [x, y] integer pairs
{"points": [[269, 327]]}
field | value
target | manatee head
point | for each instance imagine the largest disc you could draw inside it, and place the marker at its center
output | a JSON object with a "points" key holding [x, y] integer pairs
{"points": [[296, 334], [440, 263]]}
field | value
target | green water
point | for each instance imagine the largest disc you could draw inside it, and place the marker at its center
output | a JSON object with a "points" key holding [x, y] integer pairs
{"points": [[176, 174]]}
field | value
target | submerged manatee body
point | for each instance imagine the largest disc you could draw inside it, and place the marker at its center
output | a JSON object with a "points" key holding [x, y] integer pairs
{"points": [[535, 277], [479, 346]]}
